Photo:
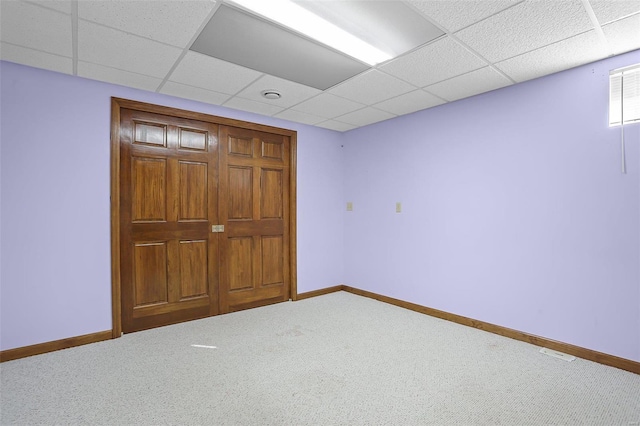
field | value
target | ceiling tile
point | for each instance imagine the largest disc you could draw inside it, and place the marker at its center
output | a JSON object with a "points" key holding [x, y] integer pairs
{"points": [[525, 27], [623, 35], [214, 74], [116, 49], [327, 105], [336, 125], [116, 76], [473, 83], [409, 102], [292, 93], [371, 87], [252, 106], [189, 92], [559, 56], [171, 22], [35, 58], [454, 15], [365, 116], [299, 117], [63, 6], [35, 27], [607, 10], [434, 62]]}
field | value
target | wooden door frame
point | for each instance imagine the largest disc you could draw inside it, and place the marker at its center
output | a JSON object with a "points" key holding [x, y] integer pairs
{"points": [[116, 105]]}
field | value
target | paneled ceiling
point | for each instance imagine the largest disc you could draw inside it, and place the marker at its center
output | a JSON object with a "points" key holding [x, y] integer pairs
{"points": [[485, 45]]}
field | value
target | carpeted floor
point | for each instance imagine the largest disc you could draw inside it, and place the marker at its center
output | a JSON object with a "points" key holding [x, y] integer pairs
{"points": [[337, 359]]}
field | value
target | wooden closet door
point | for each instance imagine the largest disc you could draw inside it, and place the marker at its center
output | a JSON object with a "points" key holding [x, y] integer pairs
{"points": [[254, 209], [169, 193]]}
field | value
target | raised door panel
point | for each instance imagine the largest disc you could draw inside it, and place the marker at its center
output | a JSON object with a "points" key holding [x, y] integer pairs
{"points": [[149, 189], [272, 261], [240, 146], [240, 193], [192, 139], [154, 134], [271, 195], [150, 276], [240, 263], [193, 191], [194, 280]]}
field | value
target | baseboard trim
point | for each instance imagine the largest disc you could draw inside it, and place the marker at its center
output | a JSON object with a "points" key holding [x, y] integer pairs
{"points": [[580, 352], [56, 345], [320, 292]]}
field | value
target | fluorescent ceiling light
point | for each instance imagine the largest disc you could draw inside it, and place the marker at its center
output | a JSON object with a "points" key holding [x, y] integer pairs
{"points": [[299, 19]]}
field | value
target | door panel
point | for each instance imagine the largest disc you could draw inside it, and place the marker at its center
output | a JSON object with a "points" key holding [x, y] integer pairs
{"points": [[169, 189], [192, 191], [149, 178], [150, 273], [193, 269], [254, 182]]}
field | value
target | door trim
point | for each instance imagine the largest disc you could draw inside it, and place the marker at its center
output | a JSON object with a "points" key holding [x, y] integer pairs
{"points": [[117, 104]]}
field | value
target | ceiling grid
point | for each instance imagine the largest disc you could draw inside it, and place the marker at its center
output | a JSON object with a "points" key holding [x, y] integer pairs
{"points": [[468, 47]]}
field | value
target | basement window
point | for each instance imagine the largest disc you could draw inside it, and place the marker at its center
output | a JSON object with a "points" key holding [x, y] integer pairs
{"points": [[624, 95]]}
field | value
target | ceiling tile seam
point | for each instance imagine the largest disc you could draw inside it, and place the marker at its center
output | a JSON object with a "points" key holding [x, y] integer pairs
{"points": [[43, 6], [544, 46], [620, 19], [295, 110], [127, 32], [292, 107], [455, 76], [120, 69], [490, 16], [243, 88], [597, 26], [479, 56], [446, 101], [185, 50], [408, 52], [336, 118], [74, 35], [36, 50], [403, 94], [180, 83]]}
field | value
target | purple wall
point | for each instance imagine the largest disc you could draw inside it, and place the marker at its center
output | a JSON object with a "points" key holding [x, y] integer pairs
{"points": [[515, 211], [54, 182], [514, 208]]}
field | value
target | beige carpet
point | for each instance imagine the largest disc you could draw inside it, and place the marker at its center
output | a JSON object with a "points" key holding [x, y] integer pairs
{"points": [[338, 359]]}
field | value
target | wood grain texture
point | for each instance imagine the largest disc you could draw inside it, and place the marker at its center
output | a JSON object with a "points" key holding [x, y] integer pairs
{"points": [[293, 215], [116, 311], [56, 345], [254, 209], [192, 143]]}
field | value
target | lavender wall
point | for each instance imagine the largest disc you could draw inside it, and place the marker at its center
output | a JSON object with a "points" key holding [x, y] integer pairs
{"points": [[515, 211], [54, 185]]}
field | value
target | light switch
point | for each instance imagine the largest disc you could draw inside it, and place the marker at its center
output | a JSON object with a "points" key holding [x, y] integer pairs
{"points": [[398, 207], [349, 206]]}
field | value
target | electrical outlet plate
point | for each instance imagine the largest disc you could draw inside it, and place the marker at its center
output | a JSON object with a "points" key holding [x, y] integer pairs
{"points": [[398, 207], [349, 206]]}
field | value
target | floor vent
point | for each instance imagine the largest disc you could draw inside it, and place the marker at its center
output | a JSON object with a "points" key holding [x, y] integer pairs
{"points": [[557, 354]]}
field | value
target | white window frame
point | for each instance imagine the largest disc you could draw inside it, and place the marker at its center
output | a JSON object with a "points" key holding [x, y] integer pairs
{"points": [[624, 96]]}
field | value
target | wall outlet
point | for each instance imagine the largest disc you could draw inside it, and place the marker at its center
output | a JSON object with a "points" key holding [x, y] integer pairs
{"points": [[398, 207], [349, 206]]}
